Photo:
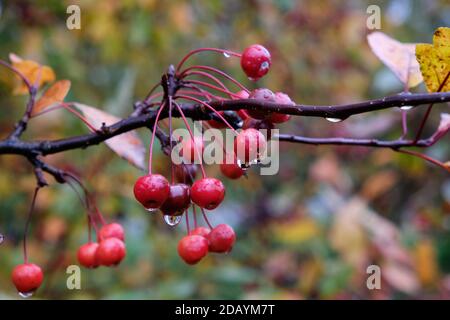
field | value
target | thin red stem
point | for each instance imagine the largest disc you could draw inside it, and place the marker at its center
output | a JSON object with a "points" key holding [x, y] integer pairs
{"points": [[149, 96], [223, 51], [206, 218], [172, 167], [27, 224], [427, 113], [209, 76], [186, 213], [17, 72], [194, 213], [211, 108], [208, 85], [192, 137], [237, 83], [150, 149], [425, 157]]}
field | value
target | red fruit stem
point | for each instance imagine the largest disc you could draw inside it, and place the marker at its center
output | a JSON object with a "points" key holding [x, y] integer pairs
{"points": [[209, 96], [172, 167], [206, 218], [188, 127], [149, 95], [78, 115], [211, 108], [17, 72], [209, 76], [152, 141], [427, 113], [208, 85], [186, 213], [194, 213], [223, 51], [91, 221], [27, 224], [425, 157], [203, 94], [208, 68]]}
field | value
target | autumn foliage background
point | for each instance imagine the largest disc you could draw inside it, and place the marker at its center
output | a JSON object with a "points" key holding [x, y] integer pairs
{"points": [[308, 232]]}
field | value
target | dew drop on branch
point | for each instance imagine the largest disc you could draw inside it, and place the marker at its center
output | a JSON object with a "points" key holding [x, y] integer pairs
{"points": [[334, 120], [172, 220], [2, 238], [406, 108], [226, 55]]}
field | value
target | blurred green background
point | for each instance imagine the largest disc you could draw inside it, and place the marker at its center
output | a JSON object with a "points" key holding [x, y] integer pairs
{"points": [[308, 232]]}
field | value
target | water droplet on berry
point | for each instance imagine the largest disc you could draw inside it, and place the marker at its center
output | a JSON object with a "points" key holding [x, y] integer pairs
{"points": [[264, 66], [26, 295], [172, 220], [244, 166], [334, 120], [252, 79], [406, 108], [151, 210], [226, 55], [2, 238]]}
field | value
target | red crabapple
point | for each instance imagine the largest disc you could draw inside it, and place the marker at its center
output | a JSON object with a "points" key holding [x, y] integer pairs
{"points": [[151, 190], [27, 277], [110, 252], [208, 193], [255, 61], [221, 238], [87, 255], [192, 248], [178, 201], [249, 145]]}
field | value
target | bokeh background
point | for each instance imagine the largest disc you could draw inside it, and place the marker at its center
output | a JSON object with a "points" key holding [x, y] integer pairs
{"points": [[307, 233]]}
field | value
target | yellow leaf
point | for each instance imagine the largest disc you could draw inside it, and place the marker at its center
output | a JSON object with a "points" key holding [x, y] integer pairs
{"points": [[55, 94], [297, 231], [434, 60], [32, 72], [398, 57], [426, 265]]}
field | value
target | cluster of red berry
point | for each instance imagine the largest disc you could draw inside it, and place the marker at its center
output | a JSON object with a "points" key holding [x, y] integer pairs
{"points": [[173, 199], [109, 250]]}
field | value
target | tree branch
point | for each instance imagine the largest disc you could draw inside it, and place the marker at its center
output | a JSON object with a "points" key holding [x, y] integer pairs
{"points": [[145, 118]]}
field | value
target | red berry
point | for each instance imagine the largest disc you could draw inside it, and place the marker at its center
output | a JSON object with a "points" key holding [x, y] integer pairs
{"points": [[208, 193], [221, 238], [255, 61], [112, 230], [192, 149], [110, 252], [192, 248], [87, 255], [231, 170], [27, 277], [249, 145], [243, 114], [200, 231], [261, 94], [259, 125], [178, 201], [186, 173], [151, 190], [281, 98]]}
